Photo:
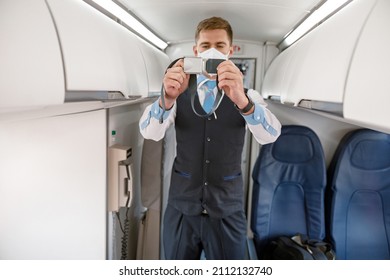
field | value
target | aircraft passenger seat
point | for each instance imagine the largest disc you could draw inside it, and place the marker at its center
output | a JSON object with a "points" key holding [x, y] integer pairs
{"points": [[289, 188], [359, 178]]}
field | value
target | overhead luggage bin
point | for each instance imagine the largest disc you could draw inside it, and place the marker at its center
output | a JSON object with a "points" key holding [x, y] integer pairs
{"points": [[367, 94], [156, 62], [31, 67], [312, 72], [99, 54]]}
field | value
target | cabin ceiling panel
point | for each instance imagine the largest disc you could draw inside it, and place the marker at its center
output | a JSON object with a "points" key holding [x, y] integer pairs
{"points": [[252, 20]]}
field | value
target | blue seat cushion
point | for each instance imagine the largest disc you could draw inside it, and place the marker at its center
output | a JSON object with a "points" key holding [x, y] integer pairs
{"points": [[359, 177], [289, 186]]}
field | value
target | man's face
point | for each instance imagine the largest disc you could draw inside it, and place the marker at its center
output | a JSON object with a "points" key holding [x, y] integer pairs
{"points": [[216, 38]]}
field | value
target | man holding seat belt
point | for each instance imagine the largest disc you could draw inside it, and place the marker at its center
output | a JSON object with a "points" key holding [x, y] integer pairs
{"points": [[205, 205]]}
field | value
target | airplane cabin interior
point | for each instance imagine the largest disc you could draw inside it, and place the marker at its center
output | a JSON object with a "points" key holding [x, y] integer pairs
{"points": [[77, 179]]}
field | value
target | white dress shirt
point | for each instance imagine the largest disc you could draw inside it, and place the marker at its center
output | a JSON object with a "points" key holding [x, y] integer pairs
{"points": [[263, 124]]}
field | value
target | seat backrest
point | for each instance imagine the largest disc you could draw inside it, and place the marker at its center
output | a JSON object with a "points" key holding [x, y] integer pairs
{"points": [[359, 178], [289, 187]]}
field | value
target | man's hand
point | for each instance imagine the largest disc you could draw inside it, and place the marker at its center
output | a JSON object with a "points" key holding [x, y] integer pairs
{"points": [[175, 83], [230, 80]]}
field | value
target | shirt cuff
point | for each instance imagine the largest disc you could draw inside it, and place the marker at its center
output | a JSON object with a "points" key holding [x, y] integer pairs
{"points": [[258, 118], [155, 112]]}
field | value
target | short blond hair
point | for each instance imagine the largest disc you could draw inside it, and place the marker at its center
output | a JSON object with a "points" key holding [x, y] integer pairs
{"points": [[212, 24]]}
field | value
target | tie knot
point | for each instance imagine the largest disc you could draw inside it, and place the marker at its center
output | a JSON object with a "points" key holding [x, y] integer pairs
{"points": [[211, 84], [204, 81]]}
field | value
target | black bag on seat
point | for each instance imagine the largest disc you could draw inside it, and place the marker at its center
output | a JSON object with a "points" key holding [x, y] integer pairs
{"points": [[298, 247]]}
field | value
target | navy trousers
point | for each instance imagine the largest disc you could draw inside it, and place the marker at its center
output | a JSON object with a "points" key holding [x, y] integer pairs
{"points": [[185, 236]]}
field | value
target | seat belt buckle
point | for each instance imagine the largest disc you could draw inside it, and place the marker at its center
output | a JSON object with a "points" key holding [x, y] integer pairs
{"points": [[198, 65]]}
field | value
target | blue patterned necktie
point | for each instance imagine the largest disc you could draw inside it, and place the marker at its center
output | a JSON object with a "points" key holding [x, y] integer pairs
{"points": [[209, 97]]}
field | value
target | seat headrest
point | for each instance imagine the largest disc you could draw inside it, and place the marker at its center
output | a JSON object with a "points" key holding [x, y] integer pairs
{"points": [[371, 154], [293, 148]]}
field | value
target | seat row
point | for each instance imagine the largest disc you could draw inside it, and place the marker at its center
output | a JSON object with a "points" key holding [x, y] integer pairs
{"points": [[347, 205]]}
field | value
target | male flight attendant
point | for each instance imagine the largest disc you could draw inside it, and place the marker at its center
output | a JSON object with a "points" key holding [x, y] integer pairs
{"points": [[205, 205]]}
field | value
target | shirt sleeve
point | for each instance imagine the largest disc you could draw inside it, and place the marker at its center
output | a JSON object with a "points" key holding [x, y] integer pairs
{"points": [[263, 124], [149, 124]]}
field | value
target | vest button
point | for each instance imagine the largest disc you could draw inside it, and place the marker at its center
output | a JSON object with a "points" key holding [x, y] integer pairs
{"points": [[206, 183], [207, 161], [209, 118], [208, 139]]}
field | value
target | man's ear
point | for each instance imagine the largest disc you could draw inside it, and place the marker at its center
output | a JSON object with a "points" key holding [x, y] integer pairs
{"points": [[195, 50], [231, 51]]}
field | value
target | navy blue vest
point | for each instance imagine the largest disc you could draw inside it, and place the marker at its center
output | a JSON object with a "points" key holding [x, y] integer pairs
{"points": [[206, 173]]}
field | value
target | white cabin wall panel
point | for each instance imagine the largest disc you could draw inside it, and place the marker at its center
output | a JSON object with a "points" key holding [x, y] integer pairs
{"points": [[31, 68], [53, 187], [99, 54], [329, 130], [367, 95], [316, 67], [124, 121]]}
